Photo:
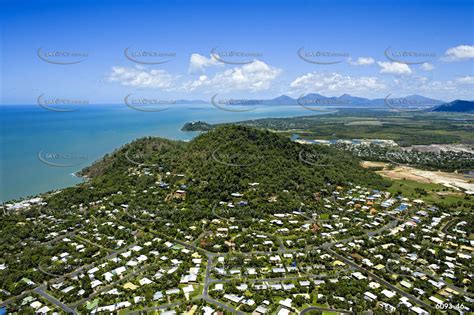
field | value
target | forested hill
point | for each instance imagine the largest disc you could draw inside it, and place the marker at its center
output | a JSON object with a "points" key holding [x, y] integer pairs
{"points": [[228, 159], [458, 106]]}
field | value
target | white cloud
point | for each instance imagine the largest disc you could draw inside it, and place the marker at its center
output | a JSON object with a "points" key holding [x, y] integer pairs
{"points": [[196, 84], [458, 53], [362, 61], [394, 68], [465, 80], [445, 90], [198, 63], [141, 77], [255, 76], [427, 66], [332, 83]]}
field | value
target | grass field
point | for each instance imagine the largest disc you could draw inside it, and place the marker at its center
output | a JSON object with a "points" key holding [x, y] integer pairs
{"points": [[435, 193], [404, 128]]}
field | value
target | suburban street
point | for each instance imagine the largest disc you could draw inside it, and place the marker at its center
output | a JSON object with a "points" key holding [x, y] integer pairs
{"points": [[379, 279], [210, 259], [64, 307]]}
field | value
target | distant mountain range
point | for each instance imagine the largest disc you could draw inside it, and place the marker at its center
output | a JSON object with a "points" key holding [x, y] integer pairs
{"points": [[410, 102], [345, 100], [457, 106]]}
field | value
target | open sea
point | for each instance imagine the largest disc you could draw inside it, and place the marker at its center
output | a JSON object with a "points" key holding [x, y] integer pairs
{"points": [[40, 149]]}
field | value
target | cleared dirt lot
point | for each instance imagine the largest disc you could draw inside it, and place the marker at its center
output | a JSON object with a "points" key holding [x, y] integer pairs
{"points": [[452, 180]]}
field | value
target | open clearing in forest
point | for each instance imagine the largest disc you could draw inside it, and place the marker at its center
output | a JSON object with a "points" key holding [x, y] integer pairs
{"points": [[451, 180]]}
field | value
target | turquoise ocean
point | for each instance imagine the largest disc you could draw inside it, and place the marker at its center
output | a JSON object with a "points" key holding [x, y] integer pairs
{"points": [[32, 136]]}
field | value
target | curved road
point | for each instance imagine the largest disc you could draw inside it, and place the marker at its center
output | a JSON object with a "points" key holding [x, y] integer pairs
{"points": [[324, 309]]}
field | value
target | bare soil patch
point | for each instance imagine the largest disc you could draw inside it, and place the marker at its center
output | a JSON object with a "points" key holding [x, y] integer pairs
{"points": [[451, 180]]}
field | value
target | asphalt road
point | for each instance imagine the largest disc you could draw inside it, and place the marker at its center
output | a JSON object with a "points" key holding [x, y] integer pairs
{"points": [[55, 301], [222, 305], [154, 308], [208, 280], [323, 309], [379, 279]]}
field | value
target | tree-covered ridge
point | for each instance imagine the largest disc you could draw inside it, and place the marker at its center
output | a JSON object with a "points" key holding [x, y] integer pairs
{"points": [[148, 150], [197, 126], [159, 217], [228, 158], [458, 106], [209, 169]]}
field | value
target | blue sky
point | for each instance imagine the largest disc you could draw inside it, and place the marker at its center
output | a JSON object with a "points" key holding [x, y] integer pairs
{"points": [[346, 42]]}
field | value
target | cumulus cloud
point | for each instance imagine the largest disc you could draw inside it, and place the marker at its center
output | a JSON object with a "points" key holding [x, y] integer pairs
{"points": [[394, 68], [198, 63], [445, 90], [362, 61], [465, 80], [255, 76], [336, 83], [459, 53], [196, 84], [427, 66], [140, 77]]}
